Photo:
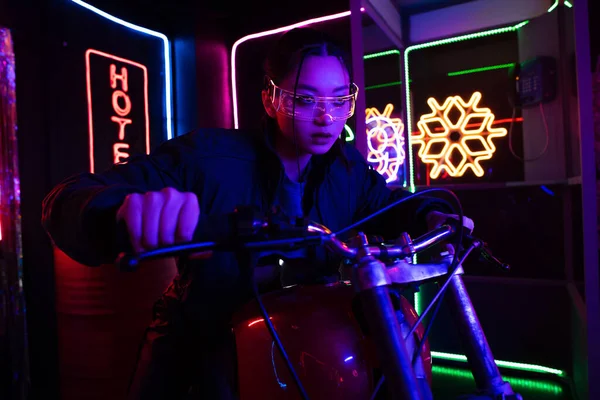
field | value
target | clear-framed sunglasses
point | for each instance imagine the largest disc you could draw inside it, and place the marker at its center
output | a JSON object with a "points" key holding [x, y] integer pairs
{"points": [[308, 107]]}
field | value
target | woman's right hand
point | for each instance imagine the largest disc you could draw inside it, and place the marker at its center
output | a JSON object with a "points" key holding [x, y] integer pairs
{"points": [[162, 218]]}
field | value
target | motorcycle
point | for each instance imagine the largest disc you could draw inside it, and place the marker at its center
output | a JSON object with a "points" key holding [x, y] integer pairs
{"points": [[358, 338]]}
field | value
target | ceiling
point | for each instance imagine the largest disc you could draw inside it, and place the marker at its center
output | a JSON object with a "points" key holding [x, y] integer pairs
{"points": [[417, 6], [162, 7]]}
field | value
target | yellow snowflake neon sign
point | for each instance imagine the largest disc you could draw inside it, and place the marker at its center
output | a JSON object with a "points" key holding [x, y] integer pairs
{"points": [[461, 141], [385, 141]]}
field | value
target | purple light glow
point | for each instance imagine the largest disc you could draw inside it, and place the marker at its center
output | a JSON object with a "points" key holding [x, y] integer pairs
{"points": [[349, 359], [218, 82], [267, 33]]}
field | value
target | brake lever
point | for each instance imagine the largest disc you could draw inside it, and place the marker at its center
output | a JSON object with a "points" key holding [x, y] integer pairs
{"points": [[486, 255]]}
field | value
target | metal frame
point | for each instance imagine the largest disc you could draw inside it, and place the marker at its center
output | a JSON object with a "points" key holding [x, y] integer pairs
{"points": [[358, 73], [591, 389], [588, 196]]}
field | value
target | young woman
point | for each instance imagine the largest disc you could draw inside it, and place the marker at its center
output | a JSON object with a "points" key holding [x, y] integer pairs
{"points": [[297, 162]]}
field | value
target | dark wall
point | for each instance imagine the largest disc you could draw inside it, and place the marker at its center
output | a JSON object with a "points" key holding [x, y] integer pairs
{"points": [[52, 114], [50, 141]]}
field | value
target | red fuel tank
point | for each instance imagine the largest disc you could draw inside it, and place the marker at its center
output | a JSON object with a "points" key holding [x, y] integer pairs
{"points": [[323, 339]]}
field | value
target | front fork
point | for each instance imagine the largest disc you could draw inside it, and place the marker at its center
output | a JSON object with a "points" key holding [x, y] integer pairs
{"points": [[372, 281], [488, 380]]}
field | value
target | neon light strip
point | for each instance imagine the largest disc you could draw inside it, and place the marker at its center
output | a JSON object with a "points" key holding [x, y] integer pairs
{"points": [[557, 2], [167, 56], [502, 364], [456, 73], [516, 383], [383, 85], [417, 301], [256, 321], [381, 54], [268, 33], [553, 6], [434, 43], [481, 69], [350, 136], [89, 98]]}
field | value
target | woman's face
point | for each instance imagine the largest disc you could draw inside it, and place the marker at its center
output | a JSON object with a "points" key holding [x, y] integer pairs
{"points": [[322, 76]]}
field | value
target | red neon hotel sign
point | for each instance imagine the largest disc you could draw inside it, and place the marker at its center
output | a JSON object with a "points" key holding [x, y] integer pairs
{"points": [[118, 117]]}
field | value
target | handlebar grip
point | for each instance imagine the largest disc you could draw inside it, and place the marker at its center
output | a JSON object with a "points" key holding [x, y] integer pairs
{"points": [[221, 231], [243, 221], [210, 229]]}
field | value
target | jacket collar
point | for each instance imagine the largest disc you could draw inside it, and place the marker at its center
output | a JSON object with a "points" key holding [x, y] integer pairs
{"points": [[272, 171]]}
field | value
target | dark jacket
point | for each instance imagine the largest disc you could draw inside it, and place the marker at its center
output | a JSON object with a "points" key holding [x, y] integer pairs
{"points": [[224, 168]]}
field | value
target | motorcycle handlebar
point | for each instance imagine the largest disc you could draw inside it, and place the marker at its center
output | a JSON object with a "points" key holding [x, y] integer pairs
{"points": [[317, 235]]}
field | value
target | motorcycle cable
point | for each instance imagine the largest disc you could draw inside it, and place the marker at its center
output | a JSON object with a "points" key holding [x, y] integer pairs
{"points": [[265, 314]]}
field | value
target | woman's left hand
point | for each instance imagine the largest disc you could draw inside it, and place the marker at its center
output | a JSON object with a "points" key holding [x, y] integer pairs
{"points": [[435, 219]]}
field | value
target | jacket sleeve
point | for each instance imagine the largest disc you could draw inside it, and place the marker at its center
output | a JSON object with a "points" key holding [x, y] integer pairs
{"points": [[79, 214], [373, 195]]}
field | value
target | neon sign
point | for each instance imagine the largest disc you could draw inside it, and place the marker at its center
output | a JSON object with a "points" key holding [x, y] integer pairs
{"points": [[385, 141], [456, 136], [407, 74], [166, 56], [117, 94], [313, 21]]}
